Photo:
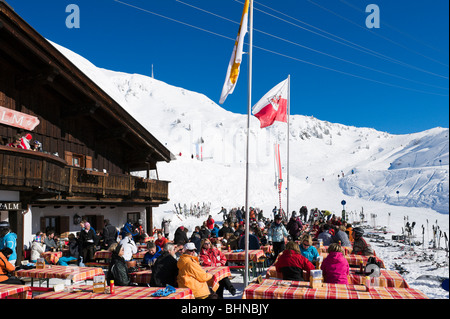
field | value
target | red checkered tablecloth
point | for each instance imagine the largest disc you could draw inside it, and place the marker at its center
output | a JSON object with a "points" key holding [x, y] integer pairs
{"points": [[102, 254], [387, 278], [253, 255], [15, 291], [218, 274], [62, 272], [267, 249], [355, 260], [106, 254], [324, 249], [52, 257], [141, 277], [280, 289], [124, 292]]}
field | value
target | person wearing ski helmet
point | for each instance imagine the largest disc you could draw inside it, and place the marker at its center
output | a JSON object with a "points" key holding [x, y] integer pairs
{"points": [[360, 245]]}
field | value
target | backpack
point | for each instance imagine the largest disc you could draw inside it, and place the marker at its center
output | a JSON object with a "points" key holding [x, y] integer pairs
{"points": [[373, 260]]}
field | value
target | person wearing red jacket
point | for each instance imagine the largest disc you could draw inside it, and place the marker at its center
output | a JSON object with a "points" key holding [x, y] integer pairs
{"points": [[335, 267], [210, 256], [291, 263], [161, 241], [210, 223]]}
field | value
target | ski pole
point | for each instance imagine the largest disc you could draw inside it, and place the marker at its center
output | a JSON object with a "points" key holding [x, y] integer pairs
{"points": [[446, 244], [423, 237]]}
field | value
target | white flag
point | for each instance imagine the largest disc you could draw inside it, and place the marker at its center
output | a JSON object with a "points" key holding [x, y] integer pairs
{"points": [[236, 57]]}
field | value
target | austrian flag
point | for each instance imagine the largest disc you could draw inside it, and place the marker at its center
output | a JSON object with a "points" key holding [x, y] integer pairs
{"points": [[273, 106]]}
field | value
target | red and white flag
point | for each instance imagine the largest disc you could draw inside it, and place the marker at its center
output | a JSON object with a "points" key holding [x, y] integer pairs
{"points": [[273, 106]]}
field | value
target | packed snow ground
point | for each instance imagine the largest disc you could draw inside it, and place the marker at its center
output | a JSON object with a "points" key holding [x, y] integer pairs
{"points": [[392, 177]]}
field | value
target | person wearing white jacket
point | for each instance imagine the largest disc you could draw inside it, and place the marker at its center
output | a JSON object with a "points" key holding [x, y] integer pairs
{"points": [[37, 247], [129, 247]]}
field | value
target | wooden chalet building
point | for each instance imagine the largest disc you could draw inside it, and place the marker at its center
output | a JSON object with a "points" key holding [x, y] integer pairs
{"points": [[91, 145]]}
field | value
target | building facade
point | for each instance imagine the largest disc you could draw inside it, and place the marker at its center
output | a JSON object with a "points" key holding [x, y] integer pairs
{"points": [[90, 146]]}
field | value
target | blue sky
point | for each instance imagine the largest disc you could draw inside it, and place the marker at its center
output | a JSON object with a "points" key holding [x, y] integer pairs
{"points": [[393, 78]]}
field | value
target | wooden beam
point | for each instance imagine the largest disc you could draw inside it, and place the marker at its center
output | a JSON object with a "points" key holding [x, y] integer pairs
{"points": [[113, 134], [78, 111], [39, 78]]}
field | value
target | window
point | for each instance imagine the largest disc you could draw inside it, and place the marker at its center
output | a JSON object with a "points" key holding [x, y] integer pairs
{"points": [[133, 217], [59, 224], [78, 160]]}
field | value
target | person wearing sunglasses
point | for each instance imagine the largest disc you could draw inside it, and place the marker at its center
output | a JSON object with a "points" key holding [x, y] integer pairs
{"points": [[210, 256], [307, 249]]}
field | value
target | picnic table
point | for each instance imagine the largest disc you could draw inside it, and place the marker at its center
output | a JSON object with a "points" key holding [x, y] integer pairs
{"points": [[218, 273], [239, 256], [52, 257], [355, 260], [15, 291], [62, 272], [120, 292], [106, 254], [324, 249], [387, 278], [256, 258], [267, 249], [285, 289], [142, 276]]}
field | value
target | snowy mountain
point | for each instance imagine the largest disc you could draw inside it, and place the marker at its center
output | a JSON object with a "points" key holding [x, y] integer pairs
{"points": [[415, 165], [402, 170], [393, 179]]}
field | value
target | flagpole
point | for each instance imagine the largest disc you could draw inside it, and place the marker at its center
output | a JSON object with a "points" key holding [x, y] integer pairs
{"points": [[249, 106], [288, 114]]}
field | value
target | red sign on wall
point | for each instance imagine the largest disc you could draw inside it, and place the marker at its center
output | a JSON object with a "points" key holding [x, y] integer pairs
{"points": [[18, 119]]}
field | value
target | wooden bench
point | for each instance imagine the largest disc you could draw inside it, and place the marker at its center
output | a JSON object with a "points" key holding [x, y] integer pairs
{"points": [[97, 264]]}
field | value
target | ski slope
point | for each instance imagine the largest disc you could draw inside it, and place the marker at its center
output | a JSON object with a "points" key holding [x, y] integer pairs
{"points": [[392, 177]]}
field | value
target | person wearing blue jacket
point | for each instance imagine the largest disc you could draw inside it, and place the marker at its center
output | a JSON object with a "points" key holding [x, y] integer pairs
{"points": [[276, 235], [8, 239], [153, 253], [215, 231], [307, 249]]}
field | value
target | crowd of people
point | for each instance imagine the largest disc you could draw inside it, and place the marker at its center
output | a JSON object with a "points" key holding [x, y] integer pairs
{"points": [[179, 261], [24, 141], [292, 240]]}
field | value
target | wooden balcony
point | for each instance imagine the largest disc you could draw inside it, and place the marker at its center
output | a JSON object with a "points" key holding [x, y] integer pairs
{"points": [[45, 177]]}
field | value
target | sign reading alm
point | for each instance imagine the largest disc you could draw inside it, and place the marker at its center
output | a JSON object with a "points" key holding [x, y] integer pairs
{"points": [[10, 206], [18, 119]]}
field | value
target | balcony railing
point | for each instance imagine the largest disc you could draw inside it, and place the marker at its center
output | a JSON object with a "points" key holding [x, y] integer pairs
{"points": [[38, 172]]}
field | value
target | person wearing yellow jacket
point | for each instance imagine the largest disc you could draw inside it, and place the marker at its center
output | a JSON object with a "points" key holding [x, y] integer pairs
{"points": [[6, 267], [192, 275]]}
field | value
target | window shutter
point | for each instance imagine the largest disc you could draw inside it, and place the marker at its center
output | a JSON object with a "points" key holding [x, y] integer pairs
{"points": [[88, 162], [68, 156], [64, 222]]}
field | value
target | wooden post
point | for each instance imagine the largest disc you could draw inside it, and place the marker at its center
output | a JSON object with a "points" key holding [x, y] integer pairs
{"points": [[149, 219]]}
